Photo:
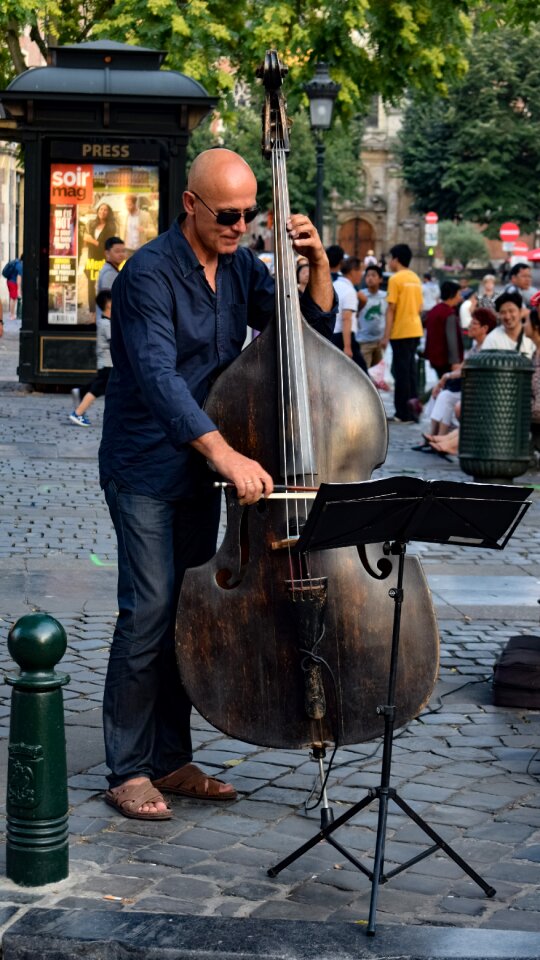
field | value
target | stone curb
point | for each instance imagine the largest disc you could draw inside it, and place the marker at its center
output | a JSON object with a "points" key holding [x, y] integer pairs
{"points": [[64, 935]]}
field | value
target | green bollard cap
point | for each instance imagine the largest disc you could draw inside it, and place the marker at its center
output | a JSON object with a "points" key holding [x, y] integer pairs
{"points": [[37, 642]]}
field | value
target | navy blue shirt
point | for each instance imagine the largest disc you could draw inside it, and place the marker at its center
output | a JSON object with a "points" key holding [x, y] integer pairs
{"points": [[171, 335]]}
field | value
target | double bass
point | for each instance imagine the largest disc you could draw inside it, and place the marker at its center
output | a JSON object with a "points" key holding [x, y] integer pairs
{"points": [[274, 648]]}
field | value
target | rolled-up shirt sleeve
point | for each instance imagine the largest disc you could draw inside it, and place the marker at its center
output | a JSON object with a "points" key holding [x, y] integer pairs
{"points": [[322, 321]]}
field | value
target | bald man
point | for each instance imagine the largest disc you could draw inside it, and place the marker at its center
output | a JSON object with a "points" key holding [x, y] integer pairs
{"points": [[181, 307]]}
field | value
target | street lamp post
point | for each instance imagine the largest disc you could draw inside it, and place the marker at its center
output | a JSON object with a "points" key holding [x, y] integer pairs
{"points": [[334, 204], [321, 91]]}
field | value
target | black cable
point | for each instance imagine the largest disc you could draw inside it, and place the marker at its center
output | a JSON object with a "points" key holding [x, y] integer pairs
{"points": [[468, 683], [402, 732], [405, 729]]}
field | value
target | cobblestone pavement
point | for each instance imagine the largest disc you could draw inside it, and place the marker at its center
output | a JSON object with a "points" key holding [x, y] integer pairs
{"points": [[469, 768]]}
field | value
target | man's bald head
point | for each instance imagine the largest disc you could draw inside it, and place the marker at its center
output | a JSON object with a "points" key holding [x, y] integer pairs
{"points": [[220, 181], [217, 170]]}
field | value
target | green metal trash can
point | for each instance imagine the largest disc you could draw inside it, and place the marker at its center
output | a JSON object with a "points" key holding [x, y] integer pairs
{"points": [[495, 415]]}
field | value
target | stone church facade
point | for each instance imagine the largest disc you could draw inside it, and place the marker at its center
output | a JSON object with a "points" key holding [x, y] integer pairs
{"points": [[384, 216]]}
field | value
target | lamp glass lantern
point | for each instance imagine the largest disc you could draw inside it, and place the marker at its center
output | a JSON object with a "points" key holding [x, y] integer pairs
{"points": [[322, 92]]}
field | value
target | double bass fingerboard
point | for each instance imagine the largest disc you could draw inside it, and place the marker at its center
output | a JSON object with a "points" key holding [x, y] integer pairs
{"points": [[296, 435]]}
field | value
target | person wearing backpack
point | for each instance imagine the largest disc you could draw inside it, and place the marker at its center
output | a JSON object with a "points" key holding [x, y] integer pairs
{"points": [[13, 274]]}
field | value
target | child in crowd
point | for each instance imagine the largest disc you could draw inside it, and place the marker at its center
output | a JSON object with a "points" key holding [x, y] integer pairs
{"points": [[371, 316], [104, 363]]}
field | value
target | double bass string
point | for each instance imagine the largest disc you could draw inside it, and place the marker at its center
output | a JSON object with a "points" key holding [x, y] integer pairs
{"points": [[282, 325], [289, 316], [298, 358], [295, 353]]}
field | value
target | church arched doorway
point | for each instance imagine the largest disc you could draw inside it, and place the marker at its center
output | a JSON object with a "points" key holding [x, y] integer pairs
{"points": [[356, 236]]}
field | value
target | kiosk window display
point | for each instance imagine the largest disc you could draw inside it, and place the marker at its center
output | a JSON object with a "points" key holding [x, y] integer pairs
{"points": [[88, 204]]}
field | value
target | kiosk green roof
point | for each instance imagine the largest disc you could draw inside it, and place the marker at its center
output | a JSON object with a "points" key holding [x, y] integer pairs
{"points": [[102, 70]]}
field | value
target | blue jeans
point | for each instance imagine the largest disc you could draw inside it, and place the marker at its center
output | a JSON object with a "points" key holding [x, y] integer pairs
{"points": [[146, 711]]}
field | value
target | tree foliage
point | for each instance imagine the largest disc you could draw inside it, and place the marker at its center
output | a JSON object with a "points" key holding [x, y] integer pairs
{"points": [[52, 22], [461, 241], [476, 154], [371, 46]]}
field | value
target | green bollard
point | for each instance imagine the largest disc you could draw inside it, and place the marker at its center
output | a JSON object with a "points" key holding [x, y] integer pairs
{"points": [[37, 802]]}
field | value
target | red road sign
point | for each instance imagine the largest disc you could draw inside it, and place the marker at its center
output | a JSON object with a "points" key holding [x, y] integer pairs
{"points": [[432, 217], [520, 249], [509, 231]]}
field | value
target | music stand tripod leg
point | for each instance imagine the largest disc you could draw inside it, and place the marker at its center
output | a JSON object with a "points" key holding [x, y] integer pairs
{"points": [[327, 814], [441, 844], [327, 826], [384, 792]]}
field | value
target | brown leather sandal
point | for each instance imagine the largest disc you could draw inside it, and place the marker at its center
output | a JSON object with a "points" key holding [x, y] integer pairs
{"points": [[130, 797], [190, 781]]}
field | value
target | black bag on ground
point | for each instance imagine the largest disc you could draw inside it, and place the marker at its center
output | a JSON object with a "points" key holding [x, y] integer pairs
{"points": [[516, 677]]}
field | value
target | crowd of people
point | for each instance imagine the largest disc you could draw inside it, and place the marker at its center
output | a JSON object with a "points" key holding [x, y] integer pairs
{"points": [[440, 324], [511, 324], [419, 318]]}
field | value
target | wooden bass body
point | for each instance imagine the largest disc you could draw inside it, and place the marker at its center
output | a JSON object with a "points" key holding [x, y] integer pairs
{"points": [[237, 644]]}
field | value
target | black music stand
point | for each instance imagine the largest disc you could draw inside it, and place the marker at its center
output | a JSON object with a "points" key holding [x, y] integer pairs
{"points": [[395, 511]]}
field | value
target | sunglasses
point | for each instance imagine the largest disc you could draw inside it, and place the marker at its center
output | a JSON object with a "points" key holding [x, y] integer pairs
{"points": [[226, 218]]}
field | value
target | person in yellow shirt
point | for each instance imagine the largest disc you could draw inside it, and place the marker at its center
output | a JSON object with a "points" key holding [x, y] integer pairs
{"points": [[403, 331]]}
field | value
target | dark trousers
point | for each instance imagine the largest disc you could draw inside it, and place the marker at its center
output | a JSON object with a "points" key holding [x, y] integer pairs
{"points": [[98, 385], [146, 711], [404, 372], [337, 340]]}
